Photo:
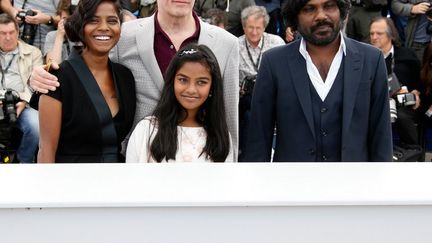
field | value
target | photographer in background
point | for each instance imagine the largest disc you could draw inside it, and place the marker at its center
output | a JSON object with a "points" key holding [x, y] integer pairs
{"points": [[252, 45], [17, 61], [57, 46], [402, 63], [418, 31], [42, 18], [360, 16]]}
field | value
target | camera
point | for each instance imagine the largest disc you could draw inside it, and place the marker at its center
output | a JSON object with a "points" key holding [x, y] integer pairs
{"points": [[9, 99], [247, 85], [406, 99], [393, 110], [29, 30]]}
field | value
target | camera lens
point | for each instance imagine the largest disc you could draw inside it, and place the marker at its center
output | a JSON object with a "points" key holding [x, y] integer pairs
{"points": [[393, 111]]}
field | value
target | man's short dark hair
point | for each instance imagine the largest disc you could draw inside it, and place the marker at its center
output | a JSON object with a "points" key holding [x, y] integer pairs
{"points": [[6, 19], [292, 8]]}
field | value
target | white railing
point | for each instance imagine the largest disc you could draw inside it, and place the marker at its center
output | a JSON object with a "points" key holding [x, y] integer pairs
{"points": [[223, 203]]}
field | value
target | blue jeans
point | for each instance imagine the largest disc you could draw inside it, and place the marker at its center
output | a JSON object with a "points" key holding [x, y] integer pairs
{"points": [[28, 123]]}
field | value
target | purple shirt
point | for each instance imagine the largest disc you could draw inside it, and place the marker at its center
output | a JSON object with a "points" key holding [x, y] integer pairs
{"points": [[163, 47]]}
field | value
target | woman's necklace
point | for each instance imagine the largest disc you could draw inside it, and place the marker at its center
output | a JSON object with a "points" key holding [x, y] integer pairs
{"points": [[190, 155], [194, 144]]}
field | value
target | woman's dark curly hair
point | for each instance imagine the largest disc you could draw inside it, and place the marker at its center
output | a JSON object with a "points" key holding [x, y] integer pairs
{"points": [[291, 9], [83, 14], [211, 115]]}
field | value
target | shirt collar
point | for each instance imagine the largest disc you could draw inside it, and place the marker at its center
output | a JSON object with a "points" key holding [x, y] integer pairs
{"points": [[10, 52], [259, 43], [158, 28], [342, 46], [388, 53]]}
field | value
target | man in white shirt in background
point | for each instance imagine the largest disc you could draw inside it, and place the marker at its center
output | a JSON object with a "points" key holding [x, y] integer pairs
{"points": [[252, 45]]}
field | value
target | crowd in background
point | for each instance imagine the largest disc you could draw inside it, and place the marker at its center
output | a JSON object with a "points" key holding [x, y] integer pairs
{"points": [[35, 32]]}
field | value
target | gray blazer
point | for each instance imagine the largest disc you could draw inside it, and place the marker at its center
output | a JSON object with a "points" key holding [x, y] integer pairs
{"points": [[135, 51]]}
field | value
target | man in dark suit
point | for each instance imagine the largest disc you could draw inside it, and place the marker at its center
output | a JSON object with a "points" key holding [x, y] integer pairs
{"points": [[404, 64], [327, 94]]}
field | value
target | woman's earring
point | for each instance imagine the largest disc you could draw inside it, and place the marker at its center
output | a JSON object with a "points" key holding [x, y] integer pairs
{"points": [[210, 95]]}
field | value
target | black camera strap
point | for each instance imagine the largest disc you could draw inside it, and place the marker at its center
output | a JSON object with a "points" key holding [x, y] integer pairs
{"points": [[5, 70], [24, 3], [259, 55]]}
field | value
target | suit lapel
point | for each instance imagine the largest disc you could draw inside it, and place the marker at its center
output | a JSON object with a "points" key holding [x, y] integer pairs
{"points": [[145, 42], [206, 36], [300, 79], [353, 66]]}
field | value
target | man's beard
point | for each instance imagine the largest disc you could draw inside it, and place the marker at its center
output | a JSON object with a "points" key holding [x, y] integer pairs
{"points": [[321, 41]]}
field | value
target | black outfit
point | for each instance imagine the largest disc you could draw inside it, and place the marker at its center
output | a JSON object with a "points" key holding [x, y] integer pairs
{"points": [[407, 70], [81, 135], [327, 120]]}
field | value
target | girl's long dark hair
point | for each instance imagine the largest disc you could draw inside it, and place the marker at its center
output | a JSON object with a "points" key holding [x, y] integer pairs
{"points": [[211, 115]]}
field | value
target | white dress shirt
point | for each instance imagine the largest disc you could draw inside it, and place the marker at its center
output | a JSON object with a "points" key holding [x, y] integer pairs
{"points": [[323, 87]]}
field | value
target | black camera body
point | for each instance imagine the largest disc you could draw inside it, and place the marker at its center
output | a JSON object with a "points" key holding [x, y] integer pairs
{"points": [[248, 84], [9, 99], [29, 30], [8, 118], [23, 13]]}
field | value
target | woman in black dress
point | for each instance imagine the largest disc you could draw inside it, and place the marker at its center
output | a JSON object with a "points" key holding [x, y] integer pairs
{"points": [[88, 116]]}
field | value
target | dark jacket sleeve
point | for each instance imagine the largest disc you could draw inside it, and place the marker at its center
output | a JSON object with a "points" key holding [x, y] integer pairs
{"points": [[260, 134]]}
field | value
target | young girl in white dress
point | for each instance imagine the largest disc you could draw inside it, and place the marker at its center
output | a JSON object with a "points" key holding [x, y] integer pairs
{"points": [[188, 123]]}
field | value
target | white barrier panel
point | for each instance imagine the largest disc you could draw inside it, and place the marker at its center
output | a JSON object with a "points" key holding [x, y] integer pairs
{"points": [[220, 203]]}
